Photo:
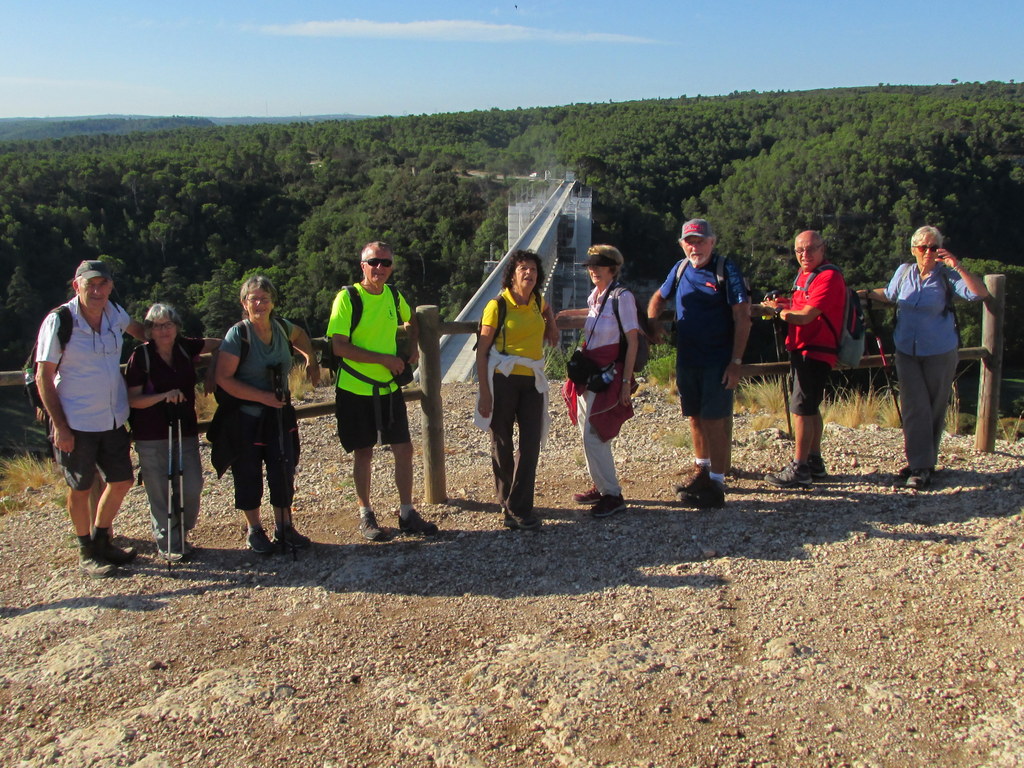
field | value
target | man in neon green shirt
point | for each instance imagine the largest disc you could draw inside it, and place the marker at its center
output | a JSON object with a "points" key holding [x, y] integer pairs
{"points": [[369, 404]]}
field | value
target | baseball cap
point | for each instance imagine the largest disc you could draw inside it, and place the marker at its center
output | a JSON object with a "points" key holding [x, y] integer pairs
{"points": [[90, 269], [696, 228]]}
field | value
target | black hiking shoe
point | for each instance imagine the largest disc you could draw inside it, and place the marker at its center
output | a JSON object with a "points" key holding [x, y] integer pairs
{"points": [[919, 479], [93, 566], [521, 522], [290, 538], [793, 476], [104, 549], [259, 543], [817, 466], [693, 482], [608, 506], [711, 495], [414, 525], [369, 529]]}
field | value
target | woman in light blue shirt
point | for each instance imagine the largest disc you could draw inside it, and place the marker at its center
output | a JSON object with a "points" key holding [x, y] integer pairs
{"points": [[926, 341]]}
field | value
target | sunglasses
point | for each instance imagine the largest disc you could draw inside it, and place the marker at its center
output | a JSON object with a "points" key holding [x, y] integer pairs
{"points": [[929, 248], [378, 262]]}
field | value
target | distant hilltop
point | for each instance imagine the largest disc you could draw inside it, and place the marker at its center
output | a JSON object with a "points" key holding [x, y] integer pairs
{"points": [[32, 128]]}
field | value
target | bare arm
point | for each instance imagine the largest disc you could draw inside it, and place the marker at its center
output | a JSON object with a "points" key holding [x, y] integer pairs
{"points": [[632, 343], [550, 329], [741, 332], [63, 437], [300, 340], [975, 283], [412, 330], [483, 348], [654, 309], [227, 367]]}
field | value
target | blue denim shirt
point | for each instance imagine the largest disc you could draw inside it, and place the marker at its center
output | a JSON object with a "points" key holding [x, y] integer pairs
{"points": [[923, 324]]}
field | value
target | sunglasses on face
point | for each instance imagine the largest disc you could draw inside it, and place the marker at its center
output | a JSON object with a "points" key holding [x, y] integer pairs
{"points": [[928, 248], [378, 262]]}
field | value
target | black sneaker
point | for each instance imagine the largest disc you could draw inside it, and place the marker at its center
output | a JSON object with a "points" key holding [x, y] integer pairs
{"points": [[259, 543], [793, 476], [105, 549], [369, 529], [693, 482], [711, 495], [414, 525], [919, 479], [608, 505], [521, 522], [92, 566], [290, 538], [817, 466]]}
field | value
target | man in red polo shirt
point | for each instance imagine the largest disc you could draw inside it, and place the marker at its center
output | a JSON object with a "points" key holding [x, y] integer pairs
{"points": [[815, 318]]}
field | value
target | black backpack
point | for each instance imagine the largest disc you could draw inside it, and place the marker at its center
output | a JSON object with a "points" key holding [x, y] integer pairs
{"points": [[502, 314], [643, 348], [30, 366]]}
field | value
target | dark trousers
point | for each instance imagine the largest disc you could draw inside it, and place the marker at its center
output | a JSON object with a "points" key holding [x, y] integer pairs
{"points": [[516, 400], [261, 447]]}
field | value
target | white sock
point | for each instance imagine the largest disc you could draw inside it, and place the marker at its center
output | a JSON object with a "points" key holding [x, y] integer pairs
{"points": [[718, 477], [702, 463]]}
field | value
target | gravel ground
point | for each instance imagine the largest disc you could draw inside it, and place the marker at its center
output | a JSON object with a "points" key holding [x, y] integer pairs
{"points": [[857, 624]]}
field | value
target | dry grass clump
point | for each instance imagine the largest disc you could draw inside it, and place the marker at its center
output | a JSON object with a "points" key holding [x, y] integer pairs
{"points": [[23, 473], [855, 409]]}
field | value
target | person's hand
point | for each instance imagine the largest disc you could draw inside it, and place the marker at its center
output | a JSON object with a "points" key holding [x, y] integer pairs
{"points": [[395, 364], [270, 400], [414, 356], [947, 258], [731, 377], [625, 393], [64, 439], [486, 404], [313, 372], [174, 396]]}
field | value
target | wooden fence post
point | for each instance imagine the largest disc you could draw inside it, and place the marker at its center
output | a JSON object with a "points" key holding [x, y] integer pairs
{"points": [[435, 489], [991, 377]]}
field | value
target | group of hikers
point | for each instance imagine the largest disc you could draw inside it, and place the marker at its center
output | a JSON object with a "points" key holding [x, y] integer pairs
{"points": [[254, 433]]}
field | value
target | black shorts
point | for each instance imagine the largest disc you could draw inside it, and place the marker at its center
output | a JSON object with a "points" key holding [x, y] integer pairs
{"points": [[358, 419], [809, 379], [110, 451]]}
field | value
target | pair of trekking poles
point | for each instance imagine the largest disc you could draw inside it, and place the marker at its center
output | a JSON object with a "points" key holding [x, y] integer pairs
{"points": [[175, 484]]}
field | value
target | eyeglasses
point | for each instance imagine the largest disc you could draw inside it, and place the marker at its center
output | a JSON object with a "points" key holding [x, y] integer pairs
{"points": [[928, 248], [808, 249], [378, 262], [163, 326], [259, 299]]}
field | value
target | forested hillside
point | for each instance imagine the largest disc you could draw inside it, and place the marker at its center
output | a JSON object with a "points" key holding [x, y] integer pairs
{"points": [[183, 214]]}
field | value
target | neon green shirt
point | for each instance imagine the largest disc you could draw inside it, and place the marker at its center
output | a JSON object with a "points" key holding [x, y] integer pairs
{"points": [[375, 332], [523, 332]]}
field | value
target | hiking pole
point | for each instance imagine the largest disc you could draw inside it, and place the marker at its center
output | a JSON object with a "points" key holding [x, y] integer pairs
{"points": [[173, 495], [284, 448], [179, 508]]}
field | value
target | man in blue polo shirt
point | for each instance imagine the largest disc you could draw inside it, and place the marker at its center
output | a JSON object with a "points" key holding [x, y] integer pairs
{"points": [[712, 311]]}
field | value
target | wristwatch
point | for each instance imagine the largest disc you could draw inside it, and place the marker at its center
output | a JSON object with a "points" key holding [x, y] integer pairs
{"points": [[737, 361]]}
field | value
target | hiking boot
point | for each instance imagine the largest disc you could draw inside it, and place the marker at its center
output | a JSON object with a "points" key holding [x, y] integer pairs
{"points": [[711, 495], [291, 538], [92, 565], [817, 466], [414, 525], [919, 479], [693, 481], [521, 522], [259, 543], [793, 476], [104, 549], [608, 505], [589, 498], [369, 529]]}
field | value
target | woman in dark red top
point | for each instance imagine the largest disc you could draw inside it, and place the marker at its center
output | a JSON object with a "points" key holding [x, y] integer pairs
{"points": [[161, 379]]}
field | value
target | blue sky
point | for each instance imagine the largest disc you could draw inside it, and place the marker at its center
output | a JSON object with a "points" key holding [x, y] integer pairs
{"points": [[306, 57]]}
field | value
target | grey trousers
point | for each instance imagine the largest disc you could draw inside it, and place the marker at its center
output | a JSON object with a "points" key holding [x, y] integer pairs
{"points": [[925, 384], [153, 469]]}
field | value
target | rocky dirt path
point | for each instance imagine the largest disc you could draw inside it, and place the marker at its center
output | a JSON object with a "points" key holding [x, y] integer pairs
{"points": [[854, 625]]}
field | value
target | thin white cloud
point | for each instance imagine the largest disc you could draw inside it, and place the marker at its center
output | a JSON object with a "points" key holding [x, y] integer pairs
{"points": [[460, 31]]}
